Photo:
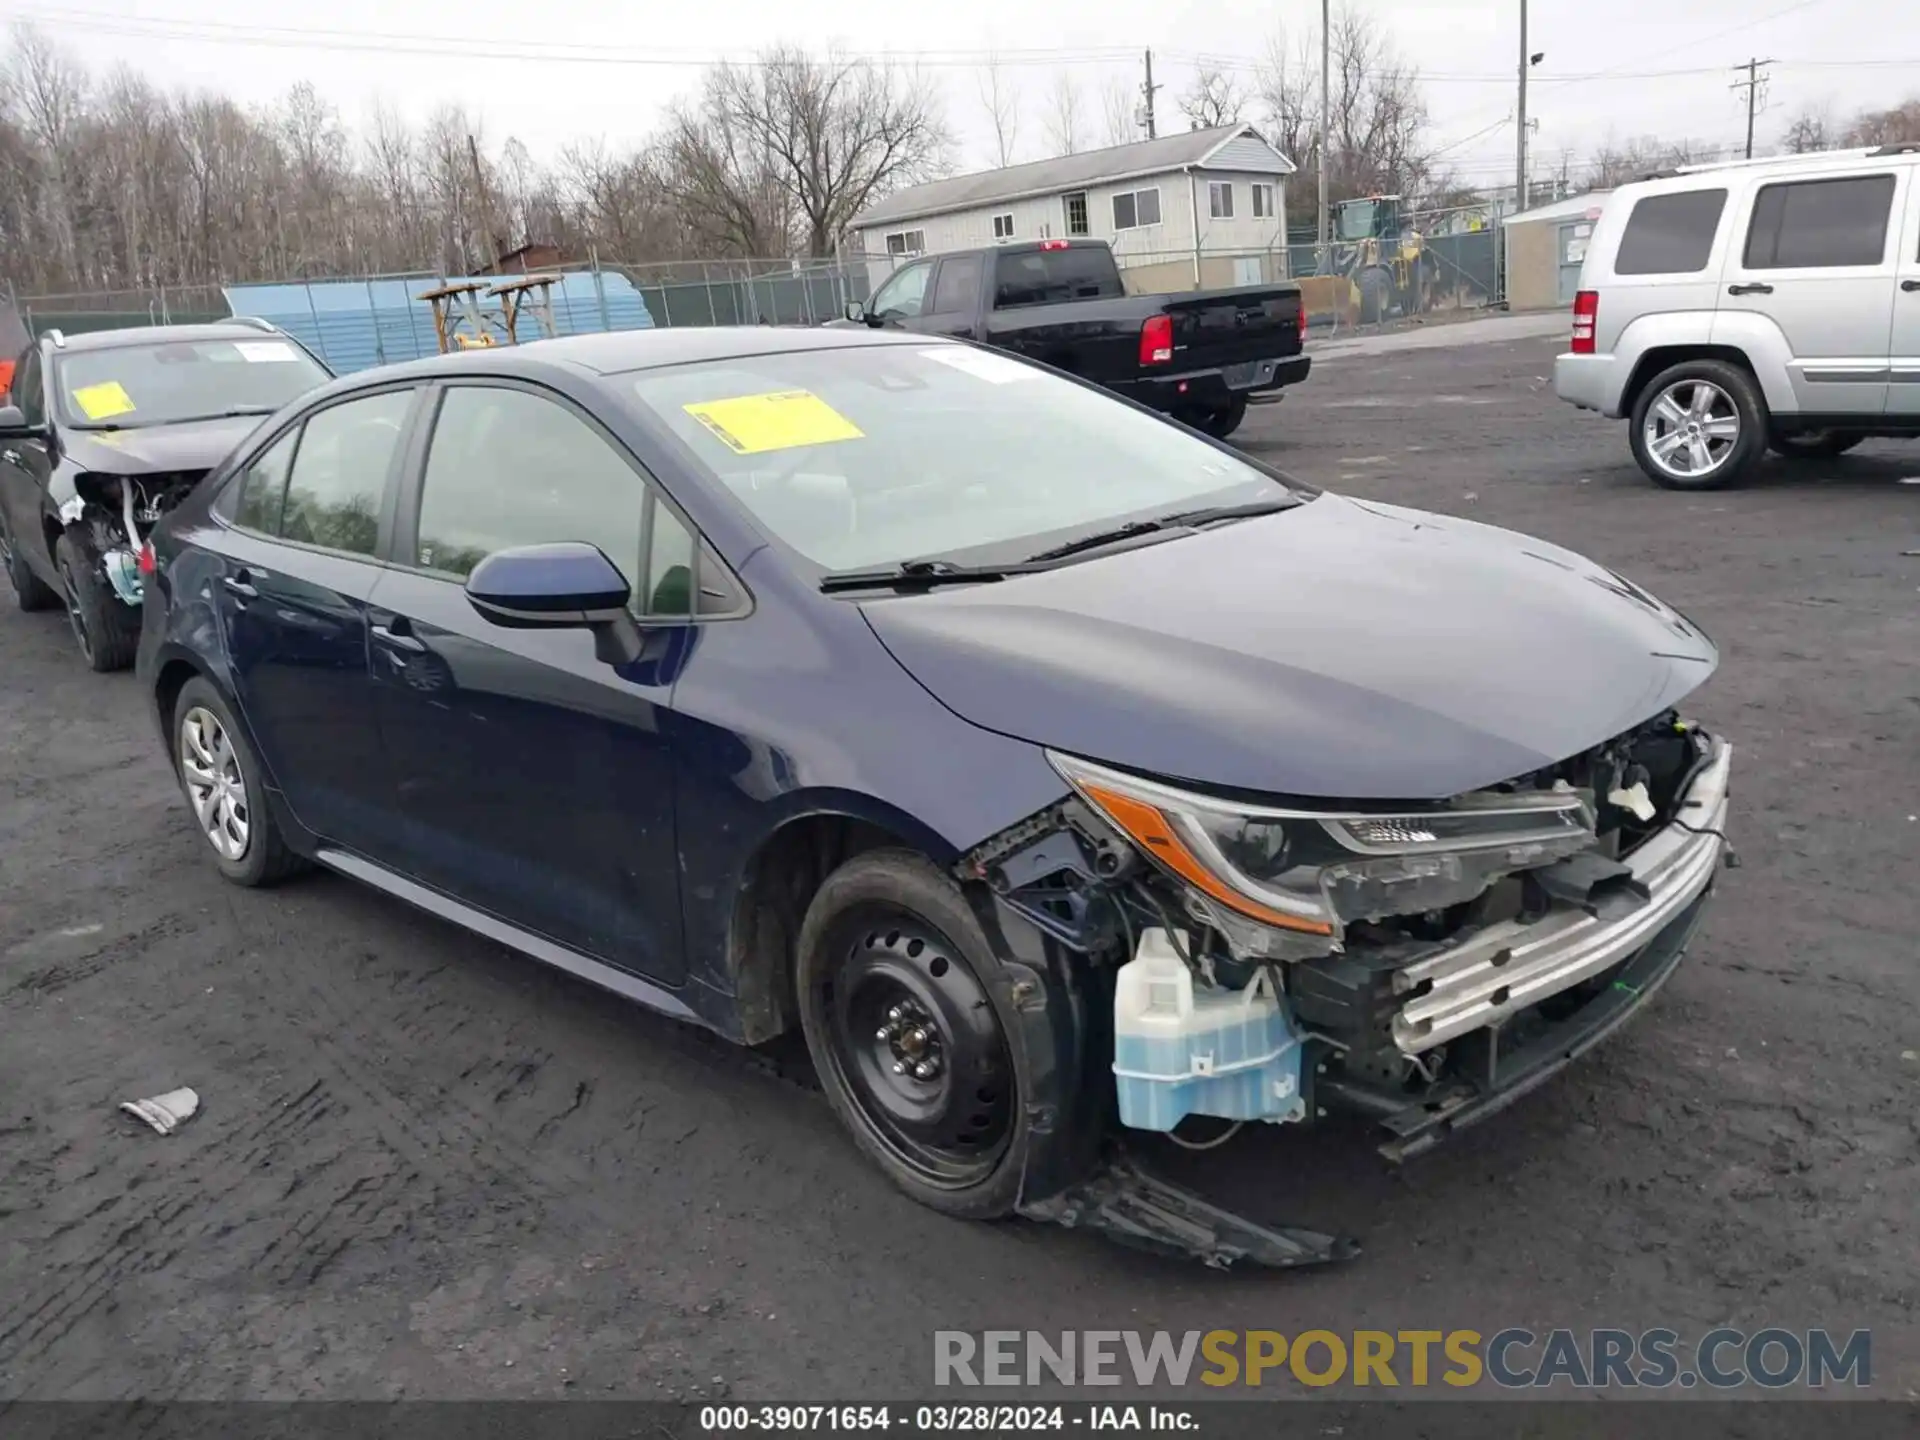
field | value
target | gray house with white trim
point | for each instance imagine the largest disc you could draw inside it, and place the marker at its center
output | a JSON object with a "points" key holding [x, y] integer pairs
{"points": [[1201, 208]]}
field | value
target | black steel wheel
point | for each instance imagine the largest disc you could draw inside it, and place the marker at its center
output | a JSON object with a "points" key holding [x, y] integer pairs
{"points": [[105, 629], [910, 1046]]}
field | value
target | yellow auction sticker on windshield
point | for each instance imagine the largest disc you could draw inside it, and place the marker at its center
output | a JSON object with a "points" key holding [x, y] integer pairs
{"points": [[782, 420], [103, 401]]}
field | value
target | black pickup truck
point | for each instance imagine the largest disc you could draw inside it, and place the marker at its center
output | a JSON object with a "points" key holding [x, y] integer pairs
{"points": [[1198, 356]]}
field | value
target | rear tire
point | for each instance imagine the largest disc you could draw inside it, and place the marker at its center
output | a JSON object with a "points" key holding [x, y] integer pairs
{"points": [[1699, 425], [891, 977], [213, 761], [30, 592], [1813, 444], [105, 628], [1222, 423]]}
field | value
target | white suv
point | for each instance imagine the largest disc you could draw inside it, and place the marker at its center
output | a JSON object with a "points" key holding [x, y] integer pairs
{"points": [[1765, 304]]}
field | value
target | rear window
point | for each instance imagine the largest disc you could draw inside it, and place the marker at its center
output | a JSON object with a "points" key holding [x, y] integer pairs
{"points": [[1670, 234], [1820, 223], [1046, 277]]}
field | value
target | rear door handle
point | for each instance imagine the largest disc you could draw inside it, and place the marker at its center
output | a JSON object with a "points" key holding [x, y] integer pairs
{"points": [[239, 586], [1755, 288], [396, 637], [1908, 285]]}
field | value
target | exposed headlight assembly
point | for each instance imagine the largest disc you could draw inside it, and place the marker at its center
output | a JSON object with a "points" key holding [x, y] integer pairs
{"points": [[1301, 876]]}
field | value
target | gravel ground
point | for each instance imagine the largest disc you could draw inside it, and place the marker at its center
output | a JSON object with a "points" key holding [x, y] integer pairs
{"points": [[426, 1167]]}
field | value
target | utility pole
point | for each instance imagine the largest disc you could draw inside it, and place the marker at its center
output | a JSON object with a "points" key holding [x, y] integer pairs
{"points": [[1520, 129], [1326, 82], [1147, 90], [1752, 85]]}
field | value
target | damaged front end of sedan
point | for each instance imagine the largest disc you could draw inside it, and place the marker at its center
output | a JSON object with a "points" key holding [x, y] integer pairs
{"points": [[108, 517], [1190, 953]]}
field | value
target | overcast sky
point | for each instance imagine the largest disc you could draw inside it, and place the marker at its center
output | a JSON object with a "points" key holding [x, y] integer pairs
{"points": [[551, 71]]}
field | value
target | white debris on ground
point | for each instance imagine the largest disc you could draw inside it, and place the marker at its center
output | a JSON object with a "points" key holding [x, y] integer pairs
{"points": [[165, 1113]]}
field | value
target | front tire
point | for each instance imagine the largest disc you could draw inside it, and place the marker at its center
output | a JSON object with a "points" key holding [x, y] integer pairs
{"points": [[30, 592], [907, 1035], [1699, 425], [105, 628], [226, 789], [1813, 444]]}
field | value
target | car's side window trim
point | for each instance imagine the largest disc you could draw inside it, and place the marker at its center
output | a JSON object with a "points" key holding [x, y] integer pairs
{"points": [[406, 529], [391, 483]]}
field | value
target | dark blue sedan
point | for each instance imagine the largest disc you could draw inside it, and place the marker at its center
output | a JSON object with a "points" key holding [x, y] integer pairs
{"points": [[1061, 773]]}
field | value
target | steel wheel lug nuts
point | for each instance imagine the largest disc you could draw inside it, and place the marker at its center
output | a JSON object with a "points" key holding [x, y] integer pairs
{"points": [[899, 1067], [923, 1071], [882, 1033]]}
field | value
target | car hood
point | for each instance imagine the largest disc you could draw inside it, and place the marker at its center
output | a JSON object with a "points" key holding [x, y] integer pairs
{"points": [[153, 449], [1343, 649]]}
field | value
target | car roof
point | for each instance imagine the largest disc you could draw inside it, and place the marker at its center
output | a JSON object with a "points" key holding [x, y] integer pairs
{"points": [[156, 335], [619, 352]]}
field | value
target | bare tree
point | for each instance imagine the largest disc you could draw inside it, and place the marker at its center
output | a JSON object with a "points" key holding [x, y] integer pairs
{"points": [[1065, 120], [1812, 129], [1117, 123], [1000, 97], [824, 138], [1379, 140], [1214, 98], [1895, 125]]}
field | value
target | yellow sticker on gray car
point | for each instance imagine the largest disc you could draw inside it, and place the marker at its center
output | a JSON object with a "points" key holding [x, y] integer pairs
{"points": [[780, 420], [103, 401]]}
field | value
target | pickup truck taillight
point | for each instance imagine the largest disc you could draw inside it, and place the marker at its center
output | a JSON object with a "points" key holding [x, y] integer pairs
{"points": [[1156, 340], [1586, 315], [1303, 316]]}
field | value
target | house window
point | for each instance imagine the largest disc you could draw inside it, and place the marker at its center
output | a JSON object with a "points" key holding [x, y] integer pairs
{"points": [[1003, 227], [1136, 209], [1263, 202], [906, 242], [1076, 204], [1220, 199]]}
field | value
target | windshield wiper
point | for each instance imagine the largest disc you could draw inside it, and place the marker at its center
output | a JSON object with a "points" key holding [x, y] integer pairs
{"points": [[1179, 520], [231, 413], [914, 574]]}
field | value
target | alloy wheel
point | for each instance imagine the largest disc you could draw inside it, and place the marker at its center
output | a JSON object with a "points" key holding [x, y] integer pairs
{"points": [[1691, 429], [215, 785], [918, 1046], [76, 616]]}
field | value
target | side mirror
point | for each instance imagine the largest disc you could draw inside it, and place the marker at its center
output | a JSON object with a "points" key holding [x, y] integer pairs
{"points": [[13, 424], [570, 585], [857, 310]]}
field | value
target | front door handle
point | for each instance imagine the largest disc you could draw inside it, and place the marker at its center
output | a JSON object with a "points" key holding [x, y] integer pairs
{"points": [[1907, 285], [1753, 288], [239, 586], [398, 639], [12, 457]]}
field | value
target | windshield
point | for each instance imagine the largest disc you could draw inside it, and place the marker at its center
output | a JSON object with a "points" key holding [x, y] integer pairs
{"points": [[174, 380], [870, 456]]}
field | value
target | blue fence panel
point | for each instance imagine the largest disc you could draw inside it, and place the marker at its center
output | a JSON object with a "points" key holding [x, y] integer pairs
{"points": [[357, 324]]}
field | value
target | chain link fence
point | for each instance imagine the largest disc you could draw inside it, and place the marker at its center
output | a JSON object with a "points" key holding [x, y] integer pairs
{"points": [[1450, 261]]}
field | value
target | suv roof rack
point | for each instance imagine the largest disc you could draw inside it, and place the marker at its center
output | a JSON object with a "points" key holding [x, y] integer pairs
{"points": [[1904, 147], [254, 322], [59, 340]]}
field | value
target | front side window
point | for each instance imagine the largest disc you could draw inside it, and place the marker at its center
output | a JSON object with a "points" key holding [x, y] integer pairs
{"points": [[957, 291], [903, 296], [1220, 200], [872, 454], [1670, 234], [263, 488], [508, 467], [1818, 224], [171, 382], [339, 475], [1136, 209]]}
